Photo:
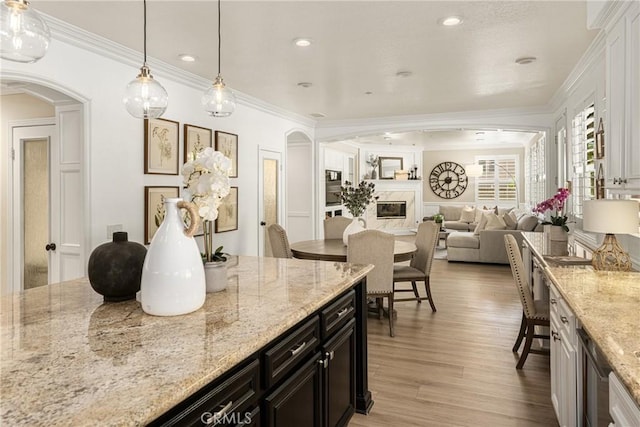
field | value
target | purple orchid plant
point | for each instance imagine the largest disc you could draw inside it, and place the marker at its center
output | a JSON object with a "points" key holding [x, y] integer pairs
{"points": [[556, 203]]}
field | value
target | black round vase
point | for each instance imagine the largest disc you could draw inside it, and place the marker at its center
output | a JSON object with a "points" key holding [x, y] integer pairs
{"points": [[115, 268]]}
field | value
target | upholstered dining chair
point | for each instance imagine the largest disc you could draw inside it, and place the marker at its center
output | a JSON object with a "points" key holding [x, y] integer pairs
{"points": [[334, 227], [279, 241], [534, 313], [375, 247], [419, 269]]}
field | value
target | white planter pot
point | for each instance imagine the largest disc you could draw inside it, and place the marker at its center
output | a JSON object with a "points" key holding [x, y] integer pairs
{"points": [[556, 233], [216, 276]]}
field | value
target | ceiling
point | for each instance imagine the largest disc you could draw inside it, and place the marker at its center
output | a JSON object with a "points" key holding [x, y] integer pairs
{"points": [[358, 49]]}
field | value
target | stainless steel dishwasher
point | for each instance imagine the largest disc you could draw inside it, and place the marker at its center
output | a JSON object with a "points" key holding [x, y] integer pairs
{"points": [[595, 383]]}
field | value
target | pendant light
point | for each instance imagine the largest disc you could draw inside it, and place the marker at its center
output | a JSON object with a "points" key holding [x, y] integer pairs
{"points": [[25, 36], [144, 97], [218, 100]]}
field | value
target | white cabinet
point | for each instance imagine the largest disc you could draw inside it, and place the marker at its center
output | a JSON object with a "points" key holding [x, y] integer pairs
{"points": [[623, 410], [563, 360], [622, 138]]}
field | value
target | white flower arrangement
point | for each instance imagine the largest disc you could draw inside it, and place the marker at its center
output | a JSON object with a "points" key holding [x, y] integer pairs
{"points": [[206, 176]]}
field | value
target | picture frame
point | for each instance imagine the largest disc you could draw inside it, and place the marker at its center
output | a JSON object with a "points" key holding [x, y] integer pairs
{"points": [[388, 166], [599, 148], [227, 144], [154, 208], [228, 212], [161, 149], [196, 139]]}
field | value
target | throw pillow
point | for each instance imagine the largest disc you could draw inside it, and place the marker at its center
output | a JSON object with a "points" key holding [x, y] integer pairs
{"points": [[502, 211], [482, 223], [480, 212], [494, 222], [510, 220], [527, 223], [468, 214]]}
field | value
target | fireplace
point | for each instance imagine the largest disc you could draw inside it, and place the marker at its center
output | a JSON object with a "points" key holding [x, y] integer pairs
{"points": [[391, 209]]}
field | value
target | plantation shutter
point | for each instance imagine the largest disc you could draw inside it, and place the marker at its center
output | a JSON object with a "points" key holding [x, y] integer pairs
{"points": [[583, 158], [497, 183]]}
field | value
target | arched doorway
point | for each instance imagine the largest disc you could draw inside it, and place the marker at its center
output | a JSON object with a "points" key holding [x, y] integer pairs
{"points": [[43, 193]]}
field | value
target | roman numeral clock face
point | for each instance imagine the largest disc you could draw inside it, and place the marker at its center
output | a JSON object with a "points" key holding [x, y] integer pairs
{"points": [[448, 180]]}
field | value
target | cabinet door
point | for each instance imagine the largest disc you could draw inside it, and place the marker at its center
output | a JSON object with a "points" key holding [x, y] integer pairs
{"points": [[298, 401], [632, 147], [340, 378], [616, 95], [567, 360], [556, 373]]}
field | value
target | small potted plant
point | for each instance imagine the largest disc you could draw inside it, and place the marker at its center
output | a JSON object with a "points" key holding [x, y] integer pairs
{"points": [[438, 218], [216, 270], [556, 226], [356, 200]]}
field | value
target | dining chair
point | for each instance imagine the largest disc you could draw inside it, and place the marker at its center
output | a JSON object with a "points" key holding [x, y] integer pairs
{"points": [[334, 227], [375, 247], [534, 313], [419, 269], [279, 241]]}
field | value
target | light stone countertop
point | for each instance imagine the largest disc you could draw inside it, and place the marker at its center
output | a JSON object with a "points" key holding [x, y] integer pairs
{"points": [[69, 359], [607, 304]]}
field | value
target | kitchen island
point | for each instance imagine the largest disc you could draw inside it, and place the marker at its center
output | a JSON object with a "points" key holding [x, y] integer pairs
{"points": [[67, 358]]}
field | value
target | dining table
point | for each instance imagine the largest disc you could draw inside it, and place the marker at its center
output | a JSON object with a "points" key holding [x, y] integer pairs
{"points": [[335, 250]]}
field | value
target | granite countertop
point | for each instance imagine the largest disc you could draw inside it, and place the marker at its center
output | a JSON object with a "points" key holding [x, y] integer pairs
{"points": [[608, 307], [69, 359], [607, 304]]}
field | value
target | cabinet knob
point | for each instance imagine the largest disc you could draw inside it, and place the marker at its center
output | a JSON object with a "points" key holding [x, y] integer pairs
{"points": [[50, 247], [553, 301], [564, 319], [555, 336]]}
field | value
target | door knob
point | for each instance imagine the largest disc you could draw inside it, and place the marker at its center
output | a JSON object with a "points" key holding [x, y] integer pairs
{"points": [[262, 223], [50, 247]]}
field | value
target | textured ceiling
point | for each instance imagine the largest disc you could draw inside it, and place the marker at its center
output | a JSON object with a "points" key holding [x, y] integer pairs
{"points": [[358, 47]]}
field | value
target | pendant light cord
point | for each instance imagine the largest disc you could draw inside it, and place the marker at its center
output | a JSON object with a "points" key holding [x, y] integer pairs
{"points": [[219, 38], [144, 2]]}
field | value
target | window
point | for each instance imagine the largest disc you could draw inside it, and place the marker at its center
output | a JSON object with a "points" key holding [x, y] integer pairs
{"points": [[497, 184], [583, 159], [535, 170]]}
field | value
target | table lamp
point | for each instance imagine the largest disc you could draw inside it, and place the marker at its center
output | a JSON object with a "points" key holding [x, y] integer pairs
{"points": [[611, 217]]}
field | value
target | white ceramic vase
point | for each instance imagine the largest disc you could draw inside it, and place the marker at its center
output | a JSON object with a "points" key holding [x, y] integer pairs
{"points": [[173, 280], [356, 226], [216, 276]]}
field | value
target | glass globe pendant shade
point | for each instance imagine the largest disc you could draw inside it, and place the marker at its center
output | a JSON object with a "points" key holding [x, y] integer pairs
{"points": [[218, 100], [144, 97], [24, 36]]}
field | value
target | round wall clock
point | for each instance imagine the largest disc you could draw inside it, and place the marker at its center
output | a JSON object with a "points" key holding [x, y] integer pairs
{"points": [[448, 180]]}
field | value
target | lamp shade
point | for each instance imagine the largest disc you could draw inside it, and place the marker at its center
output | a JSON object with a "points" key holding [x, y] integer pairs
{"points": [[610, 216], [24, 35], [474, 170]]}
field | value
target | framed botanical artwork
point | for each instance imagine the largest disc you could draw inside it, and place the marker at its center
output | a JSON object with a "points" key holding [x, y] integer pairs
{"points": [[154, 208], [161, 146], [228, 212], [196, 139], [227, 144]]}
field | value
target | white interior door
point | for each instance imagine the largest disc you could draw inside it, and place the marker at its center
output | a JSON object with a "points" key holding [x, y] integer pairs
{"points": [[47, 231], [269, 196], [33, 253]]}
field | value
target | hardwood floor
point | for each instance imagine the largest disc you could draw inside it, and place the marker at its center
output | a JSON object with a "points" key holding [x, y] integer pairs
{"points": [[455, 367]]}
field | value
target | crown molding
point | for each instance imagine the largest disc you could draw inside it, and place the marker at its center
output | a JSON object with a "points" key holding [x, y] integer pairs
{"points": [[78, 37]]}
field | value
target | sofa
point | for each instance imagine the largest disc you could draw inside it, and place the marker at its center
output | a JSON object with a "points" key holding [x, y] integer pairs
{"points": [[464, 218], [486, 245]]}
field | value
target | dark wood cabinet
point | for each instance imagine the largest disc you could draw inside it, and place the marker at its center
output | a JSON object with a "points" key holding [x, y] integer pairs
{"points": [[339, 376], [298, 401], [309, 376]]}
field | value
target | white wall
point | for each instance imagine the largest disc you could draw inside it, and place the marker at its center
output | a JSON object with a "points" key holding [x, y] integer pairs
{"points": [[114, 140]]}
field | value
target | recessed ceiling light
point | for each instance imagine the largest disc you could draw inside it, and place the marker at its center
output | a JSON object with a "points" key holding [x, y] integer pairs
{"points": [[186, 57], [404, 73], [368, 92], [526, 60], [480, 133], [305, 84], [318, 115], [451, 21], [302, 41]]}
